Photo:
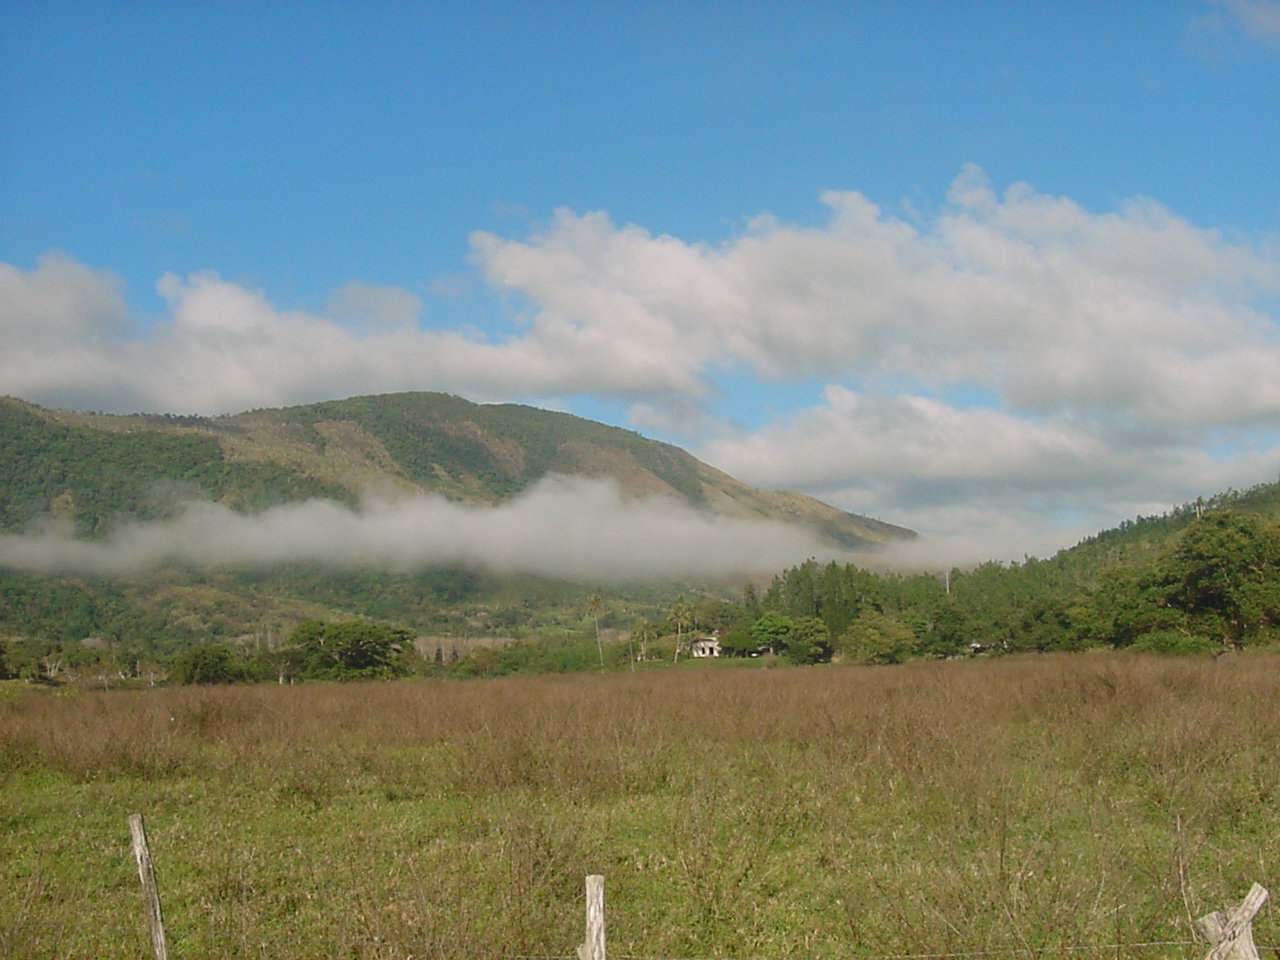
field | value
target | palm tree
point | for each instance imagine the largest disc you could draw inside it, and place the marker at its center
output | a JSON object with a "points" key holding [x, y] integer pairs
{"points": [[644, 631], [681, 617], [594, 603]]}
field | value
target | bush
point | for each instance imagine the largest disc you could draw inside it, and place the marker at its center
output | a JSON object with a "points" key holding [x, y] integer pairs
{"points": [[1174, 642], [205, 664]]}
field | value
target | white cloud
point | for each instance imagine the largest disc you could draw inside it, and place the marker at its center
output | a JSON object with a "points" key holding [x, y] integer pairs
{"points": [[1109, 348], [59, 300], [979, 482], [570, 528], [226, 348], [1048, 306], [1032, 297], [880, 438], [377, 307], [61, 323]]}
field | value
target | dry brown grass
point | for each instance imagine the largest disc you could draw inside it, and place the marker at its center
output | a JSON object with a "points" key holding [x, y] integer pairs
{"points": [[1029, 804]]}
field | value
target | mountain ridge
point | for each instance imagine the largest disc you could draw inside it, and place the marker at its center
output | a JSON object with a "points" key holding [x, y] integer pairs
{"points": [[64, 462]]}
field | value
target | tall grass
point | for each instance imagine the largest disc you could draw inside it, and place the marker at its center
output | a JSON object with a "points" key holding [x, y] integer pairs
{"points": [[1034, 805]]}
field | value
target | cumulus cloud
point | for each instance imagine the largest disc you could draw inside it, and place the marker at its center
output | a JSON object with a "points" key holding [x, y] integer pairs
{"points": [[889, 439], [1109, 349], [982, 483], [377, 307], [563, 527], [60, 300], [226, 348], [61, 323], [1029, 296], [1049, 307]]}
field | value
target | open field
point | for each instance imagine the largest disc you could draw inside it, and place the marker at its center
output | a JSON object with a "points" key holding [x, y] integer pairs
{"points": [[1026, 804]]}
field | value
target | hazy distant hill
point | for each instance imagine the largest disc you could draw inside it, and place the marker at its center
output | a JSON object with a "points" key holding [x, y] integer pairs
{"points": [[95, 469]]}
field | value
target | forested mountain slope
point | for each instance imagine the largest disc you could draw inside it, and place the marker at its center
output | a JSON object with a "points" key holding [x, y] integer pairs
{"points": [[93, 472], [1203, 577], [95, 469]]}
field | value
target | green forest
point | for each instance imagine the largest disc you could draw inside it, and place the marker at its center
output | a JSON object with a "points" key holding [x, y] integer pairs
{"points": [[1214, 587], [96, 478]]}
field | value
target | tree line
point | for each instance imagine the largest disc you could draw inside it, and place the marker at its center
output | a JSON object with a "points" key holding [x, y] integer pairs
{"points": [[1213, 587], [345, 650]]}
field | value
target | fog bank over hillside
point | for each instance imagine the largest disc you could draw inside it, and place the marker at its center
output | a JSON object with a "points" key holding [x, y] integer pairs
{"points": [[568, 528]]}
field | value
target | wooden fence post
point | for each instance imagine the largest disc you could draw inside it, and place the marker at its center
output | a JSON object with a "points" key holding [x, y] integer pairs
{"points": [[593, 948], [1233, 936], [150, 892]]}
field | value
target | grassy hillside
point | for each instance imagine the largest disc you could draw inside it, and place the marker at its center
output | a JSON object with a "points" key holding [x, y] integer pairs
{"points": [[1042, 807]]}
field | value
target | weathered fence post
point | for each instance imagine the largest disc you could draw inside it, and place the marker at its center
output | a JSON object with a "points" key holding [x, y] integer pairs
{"points": [[150, 892], [1233, 936], [593, 948]]}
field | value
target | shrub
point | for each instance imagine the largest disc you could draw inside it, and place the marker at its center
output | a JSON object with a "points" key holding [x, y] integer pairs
{"points": [[206, 663], [1174, 642]]}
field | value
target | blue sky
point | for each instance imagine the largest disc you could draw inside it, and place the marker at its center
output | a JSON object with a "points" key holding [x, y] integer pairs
{"points": [[1003, 272]]}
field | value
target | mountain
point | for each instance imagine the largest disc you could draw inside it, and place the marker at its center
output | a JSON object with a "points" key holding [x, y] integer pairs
{"points": [[1153, 583], [97, 469]]}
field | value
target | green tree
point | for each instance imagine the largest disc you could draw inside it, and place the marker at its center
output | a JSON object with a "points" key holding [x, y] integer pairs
{"points": [[751, 609], [22, 660], [772, 631], [738, 643], [1218, 585], [206, 663], [352, 649], [309, 634], [1129, 604], [809, 641], [363, 649], [644, 633], [594, 603], [950, 633], [681, 617], [1049, 622], [875, 637], [1223, 574]]}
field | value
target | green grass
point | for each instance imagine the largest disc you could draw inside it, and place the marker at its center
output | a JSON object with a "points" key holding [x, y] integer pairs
{"points": [[1024, 804]]}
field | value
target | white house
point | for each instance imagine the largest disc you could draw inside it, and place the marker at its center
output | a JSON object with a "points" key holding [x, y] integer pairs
{"points": [[708, 646]]}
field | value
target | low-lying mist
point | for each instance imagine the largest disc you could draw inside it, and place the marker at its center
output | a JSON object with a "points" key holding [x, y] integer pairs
{"points": [[568, 528]]}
